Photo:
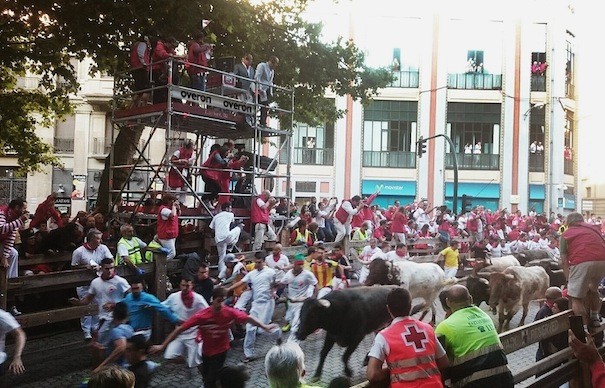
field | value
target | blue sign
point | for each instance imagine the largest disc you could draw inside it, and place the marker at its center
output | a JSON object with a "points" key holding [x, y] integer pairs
{"points": [[370, 186]]}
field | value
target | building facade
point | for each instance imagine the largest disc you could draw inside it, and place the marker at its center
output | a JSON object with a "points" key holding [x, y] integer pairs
{"points": [[501, 88]]}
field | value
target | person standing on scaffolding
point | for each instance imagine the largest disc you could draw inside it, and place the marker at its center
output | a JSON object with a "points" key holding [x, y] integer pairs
{"points": [[181, 160]]}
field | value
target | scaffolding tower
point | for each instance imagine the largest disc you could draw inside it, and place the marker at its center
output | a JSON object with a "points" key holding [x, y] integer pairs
{"points": [[222, 111]]}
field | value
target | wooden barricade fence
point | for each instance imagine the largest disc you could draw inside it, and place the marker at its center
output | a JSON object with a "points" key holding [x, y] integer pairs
{"points": [[556, 369]]}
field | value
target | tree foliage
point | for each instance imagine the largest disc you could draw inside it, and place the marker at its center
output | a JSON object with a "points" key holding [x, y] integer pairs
{"points": [[43, 37]]}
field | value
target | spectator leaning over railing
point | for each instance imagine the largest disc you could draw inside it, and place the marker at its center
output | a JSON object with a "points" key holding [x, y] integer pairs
{"points": [[130, 249]]}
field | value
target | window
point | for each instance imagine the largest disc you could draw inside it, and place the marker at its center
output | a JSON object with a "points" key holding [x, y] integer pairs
{"points": [[389, 125], [536, 125], [476, 125], [306, 187]]}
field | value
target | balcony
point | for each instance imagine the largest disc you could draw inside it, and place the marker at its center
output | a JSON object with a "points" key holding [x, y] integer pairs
{"points": [[405, 79], [475, 81], [389, 159], [63, 145], [313, 156], [474, 161], [538, 83], [536, 162], [100, 146], [568, 166]]}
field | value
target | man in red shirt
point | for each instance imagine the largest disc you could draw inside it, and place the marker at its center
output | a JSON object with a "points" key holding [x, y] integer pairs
{"points": [[213, 325]]}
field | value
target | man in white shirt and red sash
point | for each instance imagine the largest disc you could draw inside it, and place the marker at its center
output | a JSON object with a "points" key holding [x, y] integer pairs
{"points": [[342, 219]]}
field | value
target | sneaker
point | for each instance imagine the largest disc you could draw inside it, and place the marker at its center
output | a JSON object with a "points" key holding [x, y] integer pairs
{"points": [[286, 328], [14, 311], [246, 360], [595, 322]]}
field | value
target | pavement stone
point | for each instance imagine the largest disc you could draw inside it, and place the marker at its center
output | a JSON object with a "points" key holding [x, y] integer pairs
{"points": [[48, 367]]}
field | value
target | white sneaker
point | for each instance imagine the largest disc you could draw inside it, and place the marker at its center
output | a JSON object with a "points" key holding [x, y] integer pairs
{"points": [[14, 311]]}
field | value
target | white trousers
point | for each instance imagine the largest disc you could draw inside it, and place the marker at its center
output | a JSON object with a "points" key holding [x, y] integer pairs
{"points": [[13, 262], [221, 246], [341, 230], [260, 231], [186, 347], [263, 311], [293, 317], [88, 323], [243, 300], [450, 272], [169, 244]]}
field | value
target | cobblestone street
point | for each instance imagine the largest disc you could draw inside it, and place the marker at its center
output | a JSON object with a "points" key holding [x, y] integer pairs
{"points": [[47, 366]]}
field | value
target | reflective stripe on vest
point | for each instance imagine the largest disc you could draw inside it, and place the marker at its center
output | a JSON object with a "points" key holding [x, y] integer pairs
{"points": [[411, 362], [476, 353], [134, 251], [415, 375], [482, 374]]}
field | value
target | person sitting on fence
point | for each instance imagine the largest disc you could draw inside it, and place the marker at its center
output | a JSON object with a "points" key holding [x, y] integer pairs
{"points": [[90, 255], [168, 223], [130, 249], [301, 235], [363, 233], [45, 211]]}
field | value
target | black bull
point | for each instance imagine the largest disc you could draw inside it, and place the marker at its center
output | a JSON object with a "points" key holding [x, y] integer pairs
{"points": [[347, 316]]}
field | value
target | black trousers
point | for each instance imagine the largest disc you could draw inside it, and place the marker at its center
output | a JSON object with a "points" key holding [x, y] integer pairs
{"points": [[212, 187], [211, 367]]}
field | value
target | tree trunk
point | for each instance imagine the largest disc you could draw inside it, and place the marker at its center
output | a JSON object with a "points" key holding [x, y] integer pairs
{"points": [[123, 150]]}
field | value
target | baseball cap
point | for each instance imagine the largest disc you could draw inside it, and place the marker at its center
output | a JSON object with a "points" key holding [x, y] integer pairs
{"points": [[229, 258]]}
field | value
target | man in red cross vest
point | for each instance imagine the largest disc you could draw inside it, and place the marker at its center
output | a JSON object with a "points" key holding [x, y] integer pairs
{"points": [[409, 347]]}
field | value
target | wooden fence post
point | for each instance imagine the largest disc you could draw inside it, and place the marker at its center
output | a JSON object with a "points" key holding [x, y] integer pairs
{"points": [[159, 287], [3, 287]]}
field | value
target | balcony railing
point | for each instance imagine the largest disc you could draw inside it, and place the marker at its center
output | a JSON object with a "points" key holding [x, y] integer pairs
{"points": [[568, 166], [313, 156], [63, 145], [390, 159], [474, 161], [475, 81], [536, 162], [538, 83], [100, 146], [405, 79]]}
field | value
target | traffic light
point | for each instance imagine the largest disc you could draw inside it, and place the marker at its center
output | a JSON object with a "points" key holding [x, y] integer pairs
{"points": [[466, 203], [421, 145]]}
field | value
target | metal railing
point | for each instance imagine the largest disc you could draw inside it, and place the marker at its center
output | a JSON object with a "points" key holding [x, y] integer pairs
{"points": [[312, 156], [100, 146], [480, 81], [392, 159], [536, 162], [63, 145], [405, 79], [538, 83], [474, 161]]}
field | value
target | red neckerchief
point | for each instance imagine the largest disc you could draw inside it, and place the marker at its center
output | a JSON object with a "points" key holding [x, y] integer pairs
{"points": [[276, 257], [86, 246], [187, 299]]}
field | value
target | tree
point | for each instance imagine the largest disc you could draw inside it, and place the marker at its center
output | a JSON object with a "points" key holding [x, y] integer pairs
{"points": [[42, 37]]}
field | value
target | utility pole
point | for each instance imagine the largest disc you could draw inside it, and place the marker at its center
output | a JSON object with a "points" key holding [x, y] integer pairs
{"points": [[421, 149]]}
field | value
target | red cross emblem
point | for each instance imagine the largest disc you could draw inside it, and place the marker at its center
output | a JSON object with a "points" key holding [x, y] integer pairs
{"points": [[413, 336]]}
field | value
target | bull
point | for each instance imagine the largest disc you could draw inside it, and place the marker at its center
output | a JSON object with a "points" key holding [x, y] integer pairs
{"points": [[347, 316], [515, 287], [422, 280], [527, 255]]}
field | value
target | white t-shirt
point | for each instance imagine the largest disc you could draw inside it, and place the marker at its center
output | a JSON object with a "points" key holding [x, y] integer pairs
{"points": [[278, 265], [175, 304], [108, 291], [221, 223], [83, 256], [123, 248], [367, 253], [237, 268], [393, 256], [261, 282], [301, 285], [421, 217], [7, 324]]}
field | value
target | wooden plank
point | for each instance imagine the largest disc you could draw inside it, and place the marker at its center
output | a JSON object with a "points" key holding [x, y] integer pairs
{"points": [[3, 287], [45, 259], [521, 337], [58, 315]]}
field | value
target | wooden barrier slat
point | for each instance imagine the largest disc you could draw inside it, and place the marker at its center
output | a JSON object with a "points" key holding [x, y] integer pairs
{"points": [[59, 315], [43, 259], [521, 337]]}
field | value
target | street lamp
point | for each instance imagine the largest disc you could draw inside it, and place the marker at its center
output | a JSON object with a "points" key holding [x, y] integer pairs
{"points": [[535, 106]]}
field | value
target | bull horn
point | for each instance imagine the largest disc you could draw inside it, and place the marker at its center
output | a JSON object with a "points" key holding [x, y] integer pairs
{"points": [[484, 274], [324, 303], [484, 281], [509, 276]]}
